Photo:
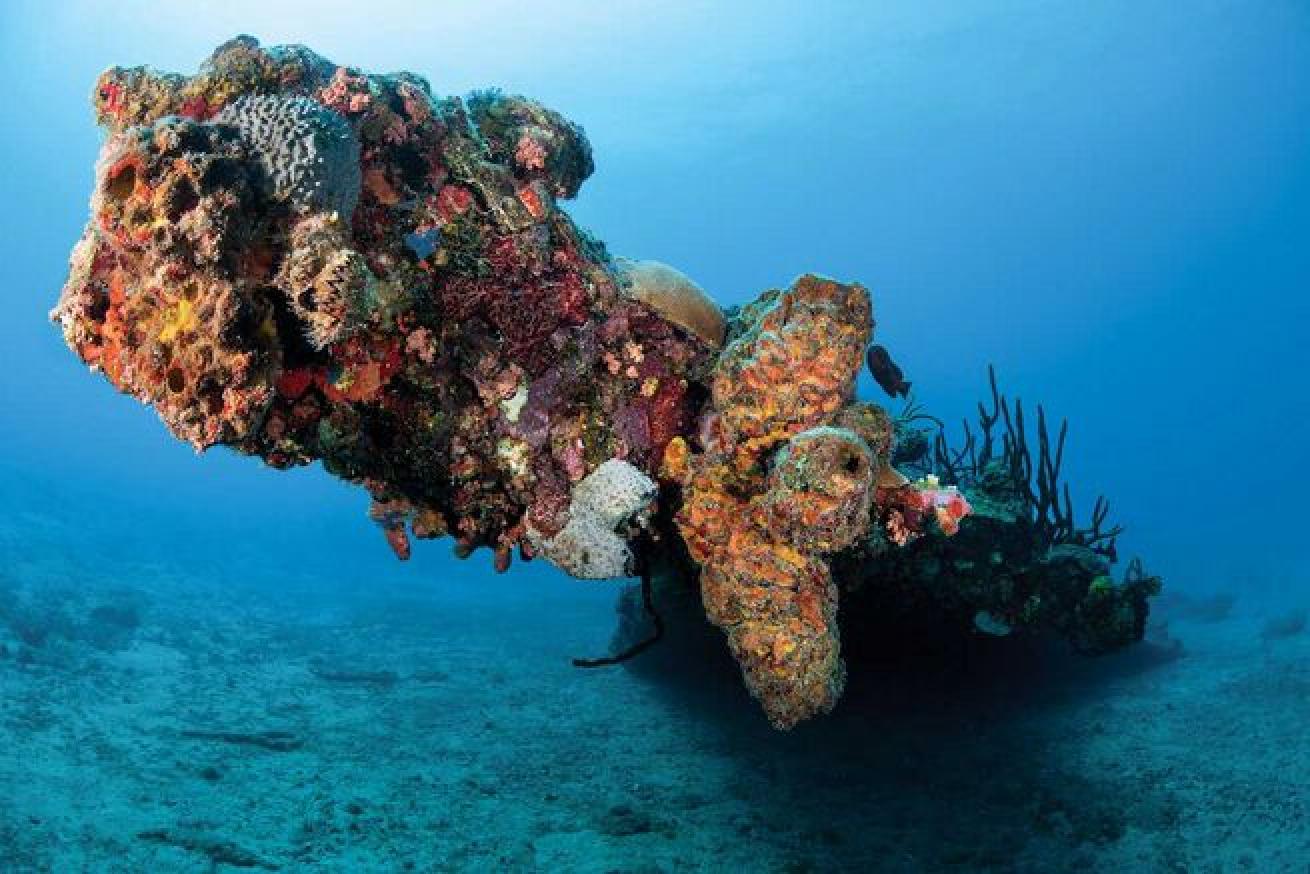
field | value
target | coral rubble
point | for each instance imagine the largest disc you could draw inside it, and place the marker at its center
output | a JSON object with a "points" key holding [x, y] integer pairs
{"points": [[309, 263]]}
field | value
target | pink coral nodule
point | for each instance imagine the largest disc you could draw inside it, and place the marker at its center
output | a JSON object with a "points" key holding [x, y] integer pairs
{"points": [[949, 505]]}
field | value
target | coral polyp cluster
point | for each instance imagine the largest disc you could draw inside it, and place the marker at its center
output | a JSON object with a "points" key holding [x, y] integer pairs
{"points": [[306, 263]]}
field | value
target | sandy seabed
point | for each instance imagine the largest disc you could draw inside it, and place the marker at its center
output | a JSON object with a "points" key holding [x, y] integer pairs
{"points": [[155, 720]]}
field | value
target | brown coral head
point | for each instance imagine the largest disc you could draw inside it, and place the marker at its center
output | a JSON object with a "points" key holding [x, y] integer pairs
{"points": [[538, 143], [778, 609], [792, 362], [193, 345], [177, 187], [676, 298], [873, 425], [820, 489]]}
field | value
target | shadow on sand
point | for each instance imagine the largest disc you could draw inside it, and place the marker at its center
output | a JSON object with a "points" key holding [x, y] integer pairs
{"points": [[956, 755]]}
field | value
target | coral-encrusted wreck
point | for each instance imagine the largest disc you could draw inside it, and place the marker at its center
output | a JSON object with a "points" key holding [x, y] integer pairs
{"points": [[305, 262]]}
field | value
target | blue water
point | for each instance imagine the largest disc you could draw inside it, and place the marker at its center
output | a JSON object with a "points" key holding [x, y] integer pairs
{"points": [[1108, 201]]}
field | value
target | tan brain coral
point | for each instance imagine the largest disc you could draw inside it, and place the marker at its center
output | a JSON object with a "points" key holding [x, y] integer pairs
{"points": [[675, 297]]}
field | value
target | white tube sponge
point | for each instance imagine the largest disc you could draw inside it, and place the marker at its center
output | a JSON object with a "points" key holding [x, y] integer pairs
{"points": [[614, 492], [608, 501]]}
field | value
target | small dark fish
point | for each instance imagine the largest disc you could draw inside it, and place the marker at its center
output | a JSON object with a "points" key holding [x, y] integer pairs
{"points": [[886, 372]]}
